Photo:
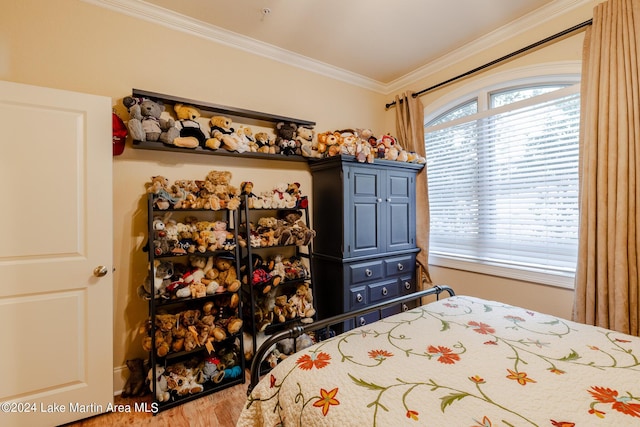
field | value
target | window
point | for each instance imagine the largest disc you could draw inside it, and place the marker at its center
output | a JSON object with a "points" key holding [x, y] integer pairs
{"points": [[503, 183]]}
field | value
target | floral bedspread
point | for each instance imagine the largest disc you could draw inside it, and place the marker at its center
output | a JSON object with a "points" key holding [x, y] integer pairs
{"points": [[460, 361]]}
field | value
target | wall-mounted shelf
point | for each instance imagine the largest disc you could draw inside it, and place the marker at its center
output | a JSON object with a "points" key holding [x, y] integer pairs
{"points": [[214, 109], [158, 146]]}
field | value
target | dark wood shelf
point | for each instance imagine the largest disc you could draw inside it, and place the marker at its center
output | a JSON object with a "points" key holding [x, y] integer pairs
{"points": [[158, 146], [220, 109]]}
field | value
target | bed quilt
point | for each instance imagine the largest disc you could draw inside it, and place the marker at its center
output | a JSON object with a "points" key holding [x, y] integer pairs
{"points": [[460, 361]]}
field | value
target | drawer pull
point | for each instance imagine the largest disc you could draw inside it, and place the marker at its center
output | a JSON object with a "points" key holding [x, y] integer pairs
{"points": [[363, 321], [385, 291], [379, 200], [405, 307], [368, 273], [400, 267], [407, 285], [359, 298]]}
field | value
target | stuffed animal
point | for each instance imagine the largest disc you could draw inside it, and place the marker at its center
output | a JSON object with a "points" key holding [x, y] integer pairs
{"points": [[349, 140], [210, 370], [304, 136], [289, 346], [329, 143], [135, 384], [221, 194], [163, 336], [145, 123], [227, 275], [163, 270], [223, 134], [286, 138], [264, 143], [162, 388], [191, 135], [302, 303]]}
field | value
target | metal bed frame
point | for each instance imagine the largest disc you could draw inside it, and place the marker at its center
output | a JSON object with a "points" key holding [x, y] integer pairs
{"points": [[297, 330]]}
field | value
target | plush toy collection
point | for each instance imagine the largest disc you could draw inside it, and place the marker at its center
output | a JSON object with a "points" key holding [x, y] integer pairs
{"points": [[190, 376], [364, 146], [215, 192], [206, 267], [190, 130], [201, 276], [190, 329]]}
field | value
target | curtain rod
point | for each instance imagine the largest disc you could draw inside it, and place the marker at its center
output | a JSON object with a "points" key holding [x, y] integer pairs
{"points": [[494, 62]]}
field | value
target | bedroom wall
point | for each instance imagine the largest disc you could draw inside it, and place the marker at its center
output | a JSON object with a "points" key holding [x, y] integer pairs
{"points": [[77, 46], [535, 296]]}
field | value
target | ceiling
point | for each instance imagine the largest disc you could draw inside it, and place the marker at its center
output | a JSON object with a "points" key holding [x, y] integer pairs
{"points": [[376, 43]]}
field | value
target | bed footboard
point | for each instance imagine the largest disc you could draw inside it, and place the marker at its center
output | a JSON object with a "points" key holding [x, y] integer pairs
{"points": [[298, 330]]}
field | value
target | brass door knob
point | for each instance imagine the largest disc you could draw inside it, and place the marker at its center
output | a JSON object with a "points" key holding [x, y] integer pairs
{"points": [[100, 271]]}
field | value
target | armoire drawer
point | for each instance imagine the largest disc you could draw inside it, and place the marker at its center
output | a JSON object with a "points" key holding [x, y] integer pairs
{"points": [[366, 271], [399, 265], [358, 298], [382, 291]]}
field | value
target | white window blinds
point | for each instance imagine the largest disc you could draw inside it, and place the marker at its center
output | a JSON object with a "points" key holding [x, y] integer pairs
{"points": [[503, 184]]}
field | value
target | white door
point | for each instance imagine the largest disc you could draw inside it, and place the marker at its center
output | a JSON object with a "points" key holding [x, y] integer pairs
{"points": [[56, 313]]}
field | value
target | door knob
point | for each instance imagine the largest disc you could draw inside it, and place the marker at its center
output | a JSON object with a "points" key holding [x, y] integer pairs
{"points": [[100, 271]]}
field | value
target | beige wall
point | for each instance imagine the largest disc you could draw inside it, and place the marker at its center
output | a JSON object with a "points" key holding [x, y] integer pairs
{"points": [[73, 45]]}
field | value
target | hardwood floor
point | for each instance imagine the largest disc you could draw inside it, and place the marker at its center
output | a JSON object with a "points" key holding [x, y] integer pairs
{"points": [[220, 409]]}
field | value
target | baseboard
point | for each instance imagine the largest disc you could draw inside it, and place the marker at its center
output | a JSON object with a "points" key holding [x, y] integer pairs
{"points": [[120, 375]]}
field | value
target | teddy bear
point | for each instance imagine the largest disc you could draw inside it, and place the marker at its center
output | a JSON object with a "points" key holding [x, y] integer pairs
{"points": [[163, 335], [304, 137], [218, 184], [299, 233], [191, 134], [162, 388], [145, 123], [247, 140], [283, 311], [286, 138], [302, 303], [301, 201], [349, 139], [159, 186], [219, 234], [227, 137], [253, 201], [281, 198], [264, 144], [329, 143], [227, 275]]}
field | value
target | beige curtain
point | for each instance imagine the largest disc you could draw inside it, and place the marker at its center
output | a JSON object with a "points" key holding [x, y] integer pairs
{"points": [[606, 288], [410, 134]]}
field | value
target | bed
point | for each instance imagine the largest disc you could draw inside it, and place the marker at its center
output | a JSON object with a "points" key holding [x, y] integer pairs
{"points": [[457, 361]]}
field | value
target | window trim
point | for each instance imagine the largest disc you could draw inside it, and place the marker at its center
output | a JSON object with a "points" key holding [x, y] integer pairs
{"points": [[565, 72]]}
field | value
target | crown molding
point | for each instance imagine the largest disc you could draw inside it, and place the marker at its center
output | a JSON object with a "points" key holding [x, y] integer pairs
{"points": [[158, 15], [142, 10], [522, 25]]}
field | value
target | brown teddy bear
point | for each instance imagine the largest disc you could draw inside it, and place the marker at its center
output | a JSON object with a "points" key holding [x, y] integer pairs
{"points": [[282, 311], [163, 336], [218, 184], [227, 275], [302, 303]]}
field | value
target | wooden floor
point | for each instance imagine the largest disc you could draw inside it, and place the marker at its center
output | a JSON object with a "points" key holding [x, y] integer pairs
{"points": [[220, 409]]}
